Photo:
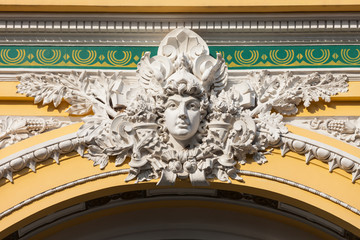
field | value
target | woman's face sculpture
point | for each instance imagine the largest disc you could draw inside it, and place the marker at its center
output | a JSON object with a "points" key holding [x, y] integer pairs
{"points": [[182, 116]]}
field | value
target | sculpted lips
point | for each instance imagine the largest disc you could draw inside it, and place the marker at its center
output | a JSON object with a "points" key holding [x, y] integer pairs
{"points": [[182, 122]]}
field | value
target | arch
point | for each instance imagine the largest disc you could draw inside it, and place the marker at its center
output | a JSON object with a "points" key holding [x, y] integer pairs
{"points": [[54, 187]]}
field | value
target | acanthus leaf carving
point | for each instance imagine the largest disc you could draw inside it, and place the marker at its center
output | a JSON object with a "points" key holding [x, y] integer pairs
{"points": [[185, 122], [285, 92], [83, 92]]}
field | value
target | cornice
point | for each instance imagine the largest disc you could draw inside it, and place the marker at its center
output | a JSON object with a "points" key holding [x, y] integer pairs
{"points": [[148, 29]]}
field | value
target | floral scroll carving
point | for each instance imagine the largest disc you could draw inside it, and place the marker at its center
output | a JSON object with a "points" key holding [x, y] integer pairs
{"points": [[185, 121], [15, 129]]}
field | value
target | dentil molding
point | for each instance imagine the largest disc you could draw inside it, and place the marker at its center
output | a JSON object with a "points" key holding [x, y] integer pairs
{"points": [[148, 29], [182, 120]]}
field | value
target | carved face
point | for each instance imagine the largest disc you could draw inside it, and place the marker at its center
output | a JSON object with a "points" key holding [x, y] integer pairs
{"points": [[182, 116]]}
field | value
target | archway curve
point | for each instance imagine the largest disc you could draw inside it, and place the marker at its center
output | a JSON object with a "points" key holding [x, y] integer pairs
{"points": [[183, 214], [112, 184]]}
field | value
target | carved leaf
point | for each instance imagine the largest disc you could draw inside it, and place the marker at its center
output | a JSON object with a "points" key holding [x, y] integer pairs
{"points": [[317, 86], [132, 174], [284, 92], [83, 91], [46, 88], [221, 175], [80, 108], [98, 159], [121, 158], [90, 123], [144, 176], [234, 175], [153, 71], [259, 158]]}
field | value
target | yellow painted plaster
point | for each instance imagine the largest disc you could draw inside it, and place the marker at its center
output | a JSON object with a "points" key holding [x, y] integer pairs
{"points": [[179, 6], [333, 108], [28, 108], [8, 92]]}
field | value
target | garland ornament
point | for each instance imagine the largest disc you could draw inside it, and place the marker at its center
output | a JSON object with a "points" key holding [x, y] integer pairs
{"points": [[185, 121]]}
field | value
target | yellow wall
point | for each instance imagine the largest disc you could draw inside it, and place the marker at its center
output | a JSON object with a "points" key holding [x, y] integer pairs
{"points": [[179, 6]]}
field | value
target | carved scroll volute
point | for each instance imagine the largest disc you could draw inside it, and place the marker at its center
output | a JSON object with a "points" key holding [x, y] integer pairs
{"points": [[152, 72], [181, 42], [138, 136], [143, 135], [211, 71], [220, 131]]}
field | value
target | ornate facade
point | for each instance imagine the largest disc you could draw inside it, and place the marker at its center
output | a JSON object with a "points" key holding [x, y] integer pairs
{"points": [[253, 115]]}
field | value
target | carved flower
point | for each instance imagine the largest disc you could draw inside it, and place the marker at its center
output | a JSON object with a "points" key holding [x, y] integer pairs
{"points": [[12, 131], [226, 105], [169, 155], [141, 109], [175, 166], [190, 166]]}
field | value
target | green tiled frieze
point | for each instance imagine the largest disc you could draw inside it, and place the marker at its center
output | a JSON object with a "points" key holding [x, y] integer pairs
{"points": [[236, 57]]}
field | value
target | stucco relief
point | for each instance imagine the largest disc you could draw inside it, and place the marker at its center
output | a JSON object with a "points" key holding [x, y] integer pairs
{"points": [[185, 121], [344, 129], [14, 129]]}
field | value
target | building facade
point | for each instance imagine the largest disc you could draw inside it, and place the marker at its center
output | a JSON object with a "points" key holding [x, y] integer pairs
{"points": [[206, 121]]}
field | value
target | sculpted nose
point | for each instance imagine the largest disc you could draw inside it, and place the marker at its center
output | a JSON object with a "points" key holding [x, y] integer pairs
{"points": [[182, 112], [182, 116]]}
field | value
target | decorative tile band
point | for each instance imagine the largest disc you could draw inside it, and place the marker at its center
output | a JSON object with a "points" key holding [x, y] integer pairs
{"points": [[124, 57]]}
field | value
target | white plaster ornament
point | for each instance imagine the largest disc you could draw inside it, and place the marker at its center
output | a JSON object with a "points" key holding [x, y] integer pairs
{"points": [[185, 122], [342, 129], [15, 129]]}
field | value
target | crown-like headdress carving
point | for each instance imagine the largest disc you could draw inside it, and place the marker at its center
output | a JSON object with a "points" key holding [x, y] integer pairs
{"points": [[182, 52]]}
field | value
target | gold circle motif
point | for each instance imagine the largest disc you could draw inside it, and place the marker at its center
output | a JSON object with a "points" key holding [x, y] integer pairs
{"points": [[281, 61], [346, 57], [119, 62], [4, 53], [84, 61], [249, 61], [40, 54], [322, 59]]}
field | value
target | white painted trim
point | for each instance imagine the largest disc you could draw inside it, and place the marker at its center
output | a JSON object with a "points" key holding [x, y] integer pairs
{"points": [[129, 29], [60, 188], [36, 147], [323, 146], [301, 186]]}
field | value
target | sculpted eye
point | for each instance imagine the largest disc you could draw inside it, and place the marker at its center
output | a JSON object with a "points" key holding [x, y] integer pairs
{"points": [[171, 105], [193, 106]]}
